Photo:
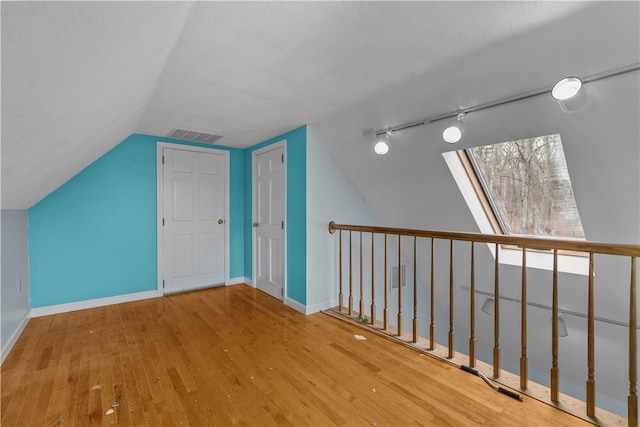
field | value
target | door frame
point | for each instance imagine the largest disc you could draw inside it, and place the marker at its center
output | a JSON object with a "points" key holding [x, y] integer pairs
{"points": [[279, 144], [160, 204]]}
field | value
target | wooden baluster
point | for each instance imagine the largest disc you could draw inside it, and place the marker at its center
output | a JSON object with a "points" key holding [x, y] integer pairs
{"points": [[523, 323], [452, 342], [415, 291], [591, 384], [632, 401], [399, 287], [472, 309], [361, 307], [385, 311], [340, 269], [432, 325], [496, 316], [350, 275], [554, 330], [373, 285]]}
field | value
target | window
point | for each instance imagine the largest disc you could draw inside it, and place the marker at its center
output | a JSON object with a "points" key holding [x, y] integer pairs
{"points": [[521, 188], [528, 188]]}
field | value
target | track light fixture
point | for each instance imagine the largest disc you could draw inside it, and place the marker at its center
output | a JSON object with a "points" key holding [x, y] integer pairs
{"points": [[382, 146], [453, 132], [566, 88], [568, 92]]}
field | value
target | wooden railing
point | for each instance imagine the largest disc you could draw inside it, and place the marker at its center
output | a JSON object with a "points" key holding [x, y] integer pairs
{"points": [[553, 246]]}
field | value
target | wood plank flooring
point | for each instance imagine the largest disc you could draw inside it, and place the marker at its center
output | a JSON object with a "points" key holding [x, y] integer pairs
{"points": [[235, 356]]}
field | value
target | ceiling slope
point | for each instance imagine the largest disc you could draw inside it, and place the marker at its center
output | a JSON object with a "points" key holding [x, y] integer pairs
{"points": [[401, 187], [78, 77], [252, 70]]}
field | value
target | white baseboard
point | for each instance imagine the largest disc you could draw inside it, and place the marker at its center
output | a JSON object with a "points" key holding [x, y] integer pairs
{"points": [[322, 306], [14, 337], [238, 281], [296, 305], [92, 303], [310, 309]]}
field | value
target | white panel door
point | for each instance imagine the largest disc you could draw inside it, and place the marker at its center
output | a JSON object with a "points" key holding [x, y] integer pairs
{"points": [[194, 209], [269, 213]]}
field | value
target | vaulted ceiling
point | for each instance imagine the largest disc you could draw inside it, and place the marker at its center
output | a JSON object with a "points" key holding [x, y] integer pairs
{"points": [[79, 77]]}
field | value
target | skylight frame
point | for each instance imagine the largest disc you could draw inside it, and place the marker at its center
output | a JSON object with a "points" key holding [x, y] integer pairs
{"points": [[482, 210]]}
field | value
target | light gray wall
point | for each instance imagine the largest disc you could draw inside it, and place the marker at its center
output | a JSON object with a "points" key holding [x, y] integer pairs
{"points": [[412, 186], [14, 292], [330, 197]]}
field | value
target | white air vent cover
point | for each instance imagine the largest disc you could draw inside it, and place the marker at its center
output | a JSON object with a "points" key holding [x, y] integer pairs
{"points": [[394, 276], [187, 135]]}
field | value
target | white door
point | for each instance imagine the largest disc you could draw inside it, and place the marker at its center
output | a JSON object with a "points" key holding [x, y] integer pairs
{"points": [[194, 209], [268, 220]]}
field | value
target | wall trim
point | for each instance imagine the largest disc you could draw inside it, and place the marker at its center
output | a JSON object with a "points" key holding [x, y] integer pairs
{"points": [[322, 306], [14, 337], [296, 305], [238, 281], [92, 303], [310, 309]]}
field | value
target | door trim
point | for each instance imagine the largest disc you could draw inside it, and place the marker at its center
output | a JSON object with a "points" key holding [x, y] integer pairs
{"points": [[160, 203], [280, 144]]}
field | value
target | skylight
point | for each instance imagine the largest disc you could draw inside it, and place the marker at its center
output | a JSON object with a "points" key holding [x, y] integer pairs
{"points": [[527, 185], [521, 188]]}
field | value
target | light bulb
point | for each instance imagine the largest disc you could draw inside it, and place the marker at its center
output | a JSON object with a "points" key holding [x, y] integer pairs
{"points": [[566, 88], [452, 134], [453, 131], [381, 148]]}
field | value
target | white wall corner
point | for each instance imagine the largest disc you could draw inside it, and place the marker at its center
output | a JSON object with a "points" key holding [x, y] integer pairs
{"points": [[322, 306], [14, 337], [301, 308], [98, 302]]}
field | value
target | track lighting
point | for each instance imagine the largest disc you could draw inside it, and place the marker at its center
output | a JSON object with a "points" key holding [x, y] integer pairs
{"points": [[566, 88], [382, 147], [453, 131], [569, 94]]}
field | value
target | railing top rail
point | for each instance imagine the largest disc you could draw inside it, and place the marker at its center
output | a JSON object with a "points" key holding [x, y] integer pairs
{"points": [[528, 242]]}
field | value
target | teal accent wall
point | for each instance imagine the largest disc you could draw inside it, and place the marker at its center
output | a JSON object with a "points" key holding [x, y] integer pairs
{"points": [[95, 236], [296, 153]]}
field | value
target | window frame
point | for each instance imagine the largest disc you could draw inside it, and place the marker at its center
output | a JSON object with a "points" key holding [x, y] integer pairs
{"points": [[474, 195]]}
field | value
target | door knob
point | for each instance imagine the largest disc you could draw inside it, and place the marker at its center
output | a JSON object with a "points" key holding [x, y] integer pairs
{"points": [[255, 224], [221, 221]]}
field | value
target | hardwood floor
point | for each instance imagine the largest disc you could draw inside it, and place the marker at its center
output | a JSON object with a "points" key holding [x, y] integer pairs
{"points": [[235, 356]]}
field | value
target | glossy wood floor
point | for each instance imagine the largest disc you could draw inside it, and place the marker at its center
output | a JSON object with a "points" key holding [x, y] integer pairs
{"points": [[235, 356]]}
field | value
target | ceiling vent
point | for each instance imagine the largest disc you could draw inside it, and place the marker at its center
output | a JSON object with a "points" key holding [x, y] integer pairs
{"points": [[187, 135]]}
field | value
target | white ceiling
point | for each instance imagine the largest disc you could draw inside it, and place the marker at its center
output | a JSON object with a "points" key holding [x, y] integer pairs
{"points": [[79, 77]]}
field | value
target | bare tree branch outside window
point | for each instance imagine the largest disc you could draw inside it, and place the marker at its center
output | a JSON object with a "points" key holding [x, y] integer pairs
{"points": [[528, 185]]}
